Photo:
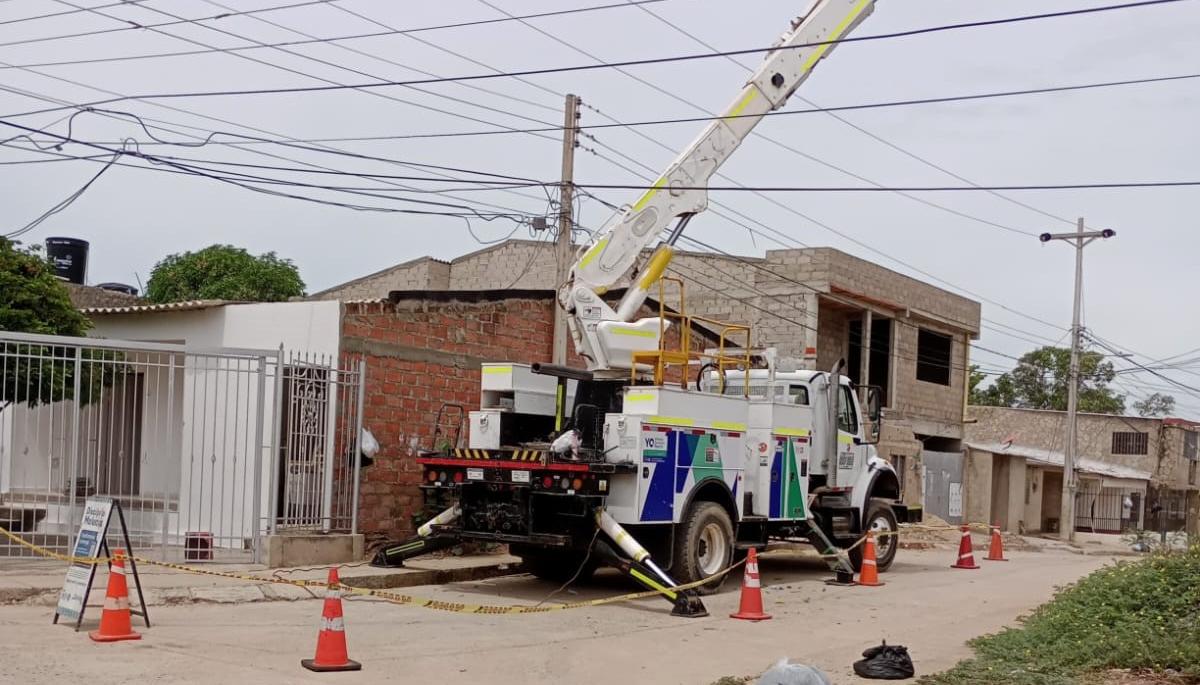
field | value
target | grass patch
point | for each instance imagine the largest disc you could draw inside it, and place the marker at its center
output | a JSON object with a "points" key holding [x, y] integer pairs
{"points": [[1133, 615]]}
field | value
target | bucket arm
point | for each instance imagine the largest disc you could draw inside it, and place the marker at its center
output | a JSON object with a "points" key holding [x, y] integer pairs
{"points": [[607, 337]]}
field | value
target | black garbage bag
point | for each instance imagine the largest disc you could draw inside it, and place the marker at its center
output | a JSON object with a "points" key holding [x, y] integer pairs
{"points": [[885, 662]]}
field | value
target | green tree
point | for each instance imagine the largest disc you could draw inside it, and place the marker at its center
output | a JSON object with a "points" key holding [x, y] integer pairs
{"points": [[33, 300], [977, 395], [224, 272], [1157, 404], [1040, 381]]}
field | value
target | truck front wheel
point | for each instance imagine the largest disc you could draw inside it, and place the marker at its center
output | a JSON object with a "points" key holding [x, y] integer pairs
{"points": [[881, 520], [703, 546]]}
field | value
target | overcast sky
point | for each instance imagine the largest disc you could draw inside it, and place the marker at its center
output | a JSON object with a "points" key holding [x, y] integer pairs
{"points": [[1140, 287]]}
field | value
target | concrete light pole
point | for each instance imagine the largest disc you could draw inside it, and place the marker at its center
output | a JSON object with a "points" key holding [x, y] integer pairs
{"points": [[1080, 239]]}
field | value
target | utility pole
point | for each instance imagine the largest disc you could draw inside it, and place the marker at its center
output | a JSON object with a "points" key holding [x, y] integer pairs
{"points": [[564, 251], [1079, 239]]}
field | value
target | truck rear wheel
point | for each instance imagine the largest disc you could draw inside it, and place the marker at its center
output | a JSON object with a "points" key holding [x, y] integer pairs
{"points": [[703, 546]]}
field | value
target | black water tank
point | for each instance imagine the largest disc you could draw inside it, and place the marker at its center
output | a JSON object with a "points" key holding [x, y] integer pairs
{"points": [[69, 256], [119, 288]]}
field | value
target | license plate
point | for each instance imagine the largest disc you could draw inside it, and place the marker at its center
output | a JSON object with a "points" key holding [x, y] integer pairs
{"points": [[520, 476], [474, 474]]}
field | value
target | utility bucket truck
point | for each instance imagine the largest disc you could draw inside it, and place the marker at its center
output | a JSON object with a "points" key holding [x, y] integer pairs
{"points": [[659, 459]]}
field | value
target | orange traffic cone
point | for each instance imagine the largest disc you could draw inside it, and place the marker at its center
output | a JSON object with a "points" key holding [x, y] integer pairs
{"points": [[996, 550], [751, 606], [966, 556], [331, 640], [869, 575], [116, 623]]}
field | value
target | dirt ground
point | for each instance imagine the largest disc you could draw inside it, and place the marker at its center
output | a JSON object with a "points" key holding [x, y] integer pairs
{"points": [[925, 605]]}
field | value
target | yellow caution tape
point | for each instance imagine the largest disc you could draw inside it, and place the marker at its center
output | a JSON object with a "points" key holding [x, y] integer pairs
{"points": [[437, 604]]}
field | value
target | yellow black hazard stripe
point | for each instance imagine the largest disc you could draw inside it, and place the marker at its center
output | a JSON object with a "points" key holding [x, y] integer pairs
{"points": [[500, 455]]}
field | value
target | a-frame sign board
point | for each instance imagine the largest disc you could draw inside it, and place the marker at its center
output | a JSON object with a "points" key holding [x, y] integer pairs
{"points": [[93, 529]]}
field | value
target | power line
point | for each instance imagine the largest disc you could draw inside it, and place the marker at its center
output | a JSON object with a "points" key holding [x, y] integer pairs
{"points": [[305, 74], [65, 202], [610, 65], [245, 181], [334, 39], [909, 189], [767, 198], [808, 101], [49, 15], [132, 25], [209, 134], [551, 128]]}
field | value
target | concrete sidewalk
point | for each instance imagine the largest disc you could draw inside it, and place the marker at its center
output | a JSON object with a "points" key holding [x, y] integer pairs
{"points": [[38, 581]]}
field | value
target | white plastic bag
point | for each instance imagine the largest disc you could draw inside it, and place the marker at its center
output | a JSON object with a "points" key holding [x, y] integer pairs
{"points": [[370, 446], [784, 673]]}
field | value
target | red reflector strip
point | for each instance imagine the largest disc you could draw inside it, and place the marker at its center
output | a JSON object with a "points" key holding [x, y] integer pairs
{"points": [[734, 435], [528, 466], [698, 431], [661, 429]]}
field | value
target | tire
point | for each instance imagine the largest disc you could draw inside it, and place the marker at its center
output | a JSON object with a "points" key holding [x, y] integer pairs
{"points": [[703, 546], [881, 518], [558, 566]]}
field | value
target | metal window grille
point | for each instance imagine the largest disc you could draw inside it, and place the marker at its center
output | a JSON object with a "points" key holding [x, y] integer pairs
{"points": [[1130, 442]]}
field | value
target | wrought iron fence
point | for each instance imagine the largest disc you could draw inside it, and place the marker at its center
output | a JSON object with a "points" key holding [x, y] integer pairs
{"points": [[206, 450]]}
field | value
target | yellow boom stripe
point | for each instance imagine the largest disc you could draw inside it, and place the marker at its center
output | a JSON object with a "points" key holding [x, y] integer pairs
{"points": [[590, 255], [634, 332], [497, 369], [645, 199], [794, 432], [742, 103], [836, 34]]}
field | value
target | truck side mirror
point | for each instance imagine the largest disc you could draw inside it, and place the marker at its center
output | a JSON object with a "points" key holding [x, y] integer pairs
{"points": [[874, 411]]}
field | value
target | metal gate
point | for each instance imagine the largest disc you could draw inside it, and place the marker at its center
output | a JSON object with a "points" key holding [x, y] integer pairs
{"points": [[195, 444], [944, 484], [314, 469]]}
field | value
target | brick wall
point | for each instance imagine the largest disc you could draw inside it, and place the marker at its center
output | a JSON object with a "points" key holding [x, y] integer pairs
{"points": [[419, 355]]}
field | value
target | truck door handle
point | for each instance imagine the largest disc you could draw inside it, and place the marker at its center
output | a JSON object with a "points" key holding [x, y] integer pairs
{"points": [[645, 472]]}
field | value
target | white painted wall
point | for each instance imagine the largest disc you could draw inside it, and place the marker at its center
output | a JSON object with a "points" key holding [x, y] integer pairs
{"points": [[198, 422]]}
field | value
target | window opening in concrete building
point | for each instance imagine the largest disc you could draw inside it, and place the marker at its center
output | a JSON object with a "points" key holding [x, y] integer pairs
{"points": [[1130, 442], [933, 357], [880, 349]]}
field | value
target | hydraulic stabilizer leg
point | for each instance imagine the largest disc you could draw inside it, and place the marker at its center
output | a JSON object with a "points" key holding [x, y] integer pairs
{"points": [[837, 560], [685, 603], [425, 541], [642, 568]]}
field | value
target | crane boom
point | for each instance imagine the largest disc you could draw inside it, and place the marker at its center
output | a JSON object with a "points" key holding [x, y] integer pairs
{"points": [[606, 337]]}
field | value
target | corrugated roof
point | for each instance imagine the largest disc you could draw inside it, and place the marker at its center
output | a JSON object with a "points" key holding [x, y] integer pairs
{"points": [[190, 305], [1051, 458]]}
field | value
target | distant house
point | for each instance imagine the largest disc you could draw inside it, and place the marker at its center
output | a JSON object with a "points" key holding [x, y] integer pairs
{"points": [[1134, 473]]}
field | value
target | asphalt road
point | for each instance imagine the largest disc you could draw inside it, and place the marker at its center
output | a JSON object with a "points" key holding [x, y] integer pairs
{"points": [[925, 605]]}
